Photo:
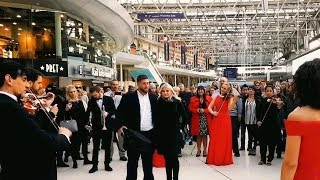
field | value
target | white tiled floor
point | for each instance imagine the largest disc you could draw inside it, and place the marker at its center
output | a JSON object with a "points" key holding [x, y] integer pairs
{"points": [[191, 168]]}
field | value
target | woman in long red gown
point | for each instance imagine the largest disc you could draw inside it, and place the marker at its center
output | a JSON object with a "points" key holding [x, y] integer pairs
{"points": [[220, 128]]}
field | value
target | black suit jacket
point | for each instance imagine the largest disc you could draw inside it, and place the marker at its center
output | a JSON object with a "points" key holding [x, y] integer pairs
{"points": [[128, 112], [96, 112], [26, 149]]}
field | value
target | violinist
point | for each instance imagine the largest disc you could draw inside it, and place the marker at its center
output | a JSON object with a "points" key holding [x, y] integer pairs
{"points": [[34, 79], [30, 152], [268, 126]]}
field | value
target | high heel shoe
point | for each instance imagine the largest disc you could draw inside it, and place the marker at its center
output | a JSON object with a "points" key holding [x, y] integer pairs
{"points": [[205, 154], [198, 154]]}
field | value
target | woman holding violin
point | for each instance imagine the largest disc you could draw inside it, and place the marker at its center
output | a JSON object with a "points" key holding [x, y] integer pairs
{"points": [[268, 125], [220, 128]]}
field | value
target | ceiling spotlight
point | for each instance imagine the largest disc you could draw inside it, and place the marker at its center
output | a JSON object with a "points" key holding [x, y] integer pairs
{"points": [[98, 41], [19, 29], [6, 29], [14, 23], [61, 15], [33, 23], [92, 37], [1, 25], [19, 34], [18, 16]]}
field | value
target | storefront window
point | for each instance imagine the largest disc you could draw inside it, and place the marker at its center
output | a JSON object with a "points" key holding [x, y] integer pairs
{"points": [[86, 42], [26, 33]]}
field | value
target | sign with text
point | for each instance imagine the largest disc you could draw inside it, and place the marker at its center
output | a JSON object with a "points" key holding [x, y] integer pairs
{"points": [[230, 73], [143, 16], [52, 67], [94, 71]]}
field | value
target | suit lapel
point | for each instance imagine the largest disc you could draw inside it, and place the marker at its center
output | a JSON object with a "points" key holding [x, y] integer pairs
{"points": [[136, 99]]}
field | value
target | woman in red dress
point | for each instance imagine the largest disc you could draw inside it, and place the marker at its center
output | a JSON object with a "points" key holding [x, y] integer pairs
{"points": [[199, 119], [220, 128], [302, 157]]}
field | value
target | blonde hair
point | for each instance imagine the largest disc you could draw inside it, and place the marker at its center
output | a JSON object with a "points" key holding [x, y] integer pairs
{"points": [[168, 86], [68, 89]]}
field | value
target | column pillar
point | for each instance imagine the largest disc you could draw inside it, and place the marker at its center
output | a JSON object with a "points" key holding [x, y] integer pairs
{"points": [[121, 75], [188, 81], [57, 20]]}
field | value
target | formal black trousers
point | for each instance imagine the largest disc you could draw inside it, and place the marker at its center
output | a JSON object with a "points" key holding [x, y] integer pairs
{"points": [[133, 159], [172, 166], [97, 136], [252, 136], [243, 133], [235, 134], [264, 146]]}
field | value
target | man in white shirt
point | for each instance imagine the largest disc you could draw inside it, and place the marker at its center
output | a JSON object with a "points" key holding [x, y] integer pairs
{"points": [[136, 111]]}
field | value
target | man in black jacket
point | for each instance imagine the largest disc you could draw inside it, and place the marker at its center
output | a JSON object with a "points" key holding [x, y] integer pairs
{"points": [[30, 152], [101, 108], [136, 110]]}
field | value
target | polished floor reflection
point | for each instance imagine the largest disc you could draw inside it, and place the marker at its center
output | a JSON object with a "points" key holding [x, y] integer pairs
{"points": [[191, 168]]}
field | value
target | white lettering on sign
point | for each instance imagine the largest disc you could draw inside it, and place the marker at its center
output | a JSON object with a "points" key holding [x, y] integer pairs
{"points": [[52, 68], [95, 72]]}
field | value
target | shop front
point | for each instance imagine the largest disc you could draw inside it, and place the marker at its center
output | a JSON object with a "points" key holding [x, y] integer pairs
{"points": [[51, 69], [87, 74]]}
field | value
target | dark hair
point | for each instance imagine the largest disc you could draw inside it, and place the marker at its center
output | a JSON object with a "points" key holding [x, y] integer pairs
{"points": [[268, 86], [141, 77], [307, 86], [203, 104], [252, 87], [95, 89], [243, 86], [32, 74], [12, 68], [200, 88]]}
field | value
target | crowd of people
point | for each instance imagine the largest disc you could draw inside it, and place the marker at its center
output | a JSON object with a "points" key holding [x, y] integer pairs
{"points": [[56, 124]]}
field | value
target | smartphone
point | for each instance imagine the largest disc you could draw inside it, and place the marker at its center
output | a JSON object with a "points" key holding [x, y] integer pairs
{"points": [[118, 93]]}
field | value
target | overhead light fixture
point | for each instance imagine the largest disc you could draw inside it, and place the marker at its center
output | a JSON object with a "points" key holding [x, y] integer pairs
{"points": [[61, 15], [92, 37], [19, 29], [19, 34], [1, 25], [14, 23], [6, 29], [98, 41], [33, 23], [18, 16]]}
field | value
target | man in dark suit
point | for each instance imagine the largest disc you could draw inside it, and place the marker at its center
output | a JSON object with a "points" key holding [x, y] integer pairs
{"points": [[30, 152], [136, 110], [101, 109]]}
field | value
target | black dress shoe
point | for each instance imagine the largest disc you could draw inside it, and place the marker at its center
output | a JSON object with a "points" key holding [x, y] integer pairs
{"points": [[87, 161], [108, 168], [279, 156], [75, 166], [93, 169], [123, 158], [62, 164], [241, 149], [237, 155]]}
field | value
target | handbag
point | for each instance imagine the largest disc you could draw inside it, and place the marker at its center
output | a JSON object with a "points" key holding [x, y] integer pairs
{"points": [[71, 124]]}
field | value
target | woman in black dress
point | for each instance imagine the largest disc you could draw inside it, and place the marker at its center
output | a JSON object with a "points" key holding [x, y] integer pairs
{"points": [[170, 119]]}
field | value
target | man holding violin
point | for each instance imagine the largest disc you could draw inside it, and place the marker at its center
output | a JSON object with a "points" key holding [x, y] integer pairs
{"points": [[31, 151]]}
